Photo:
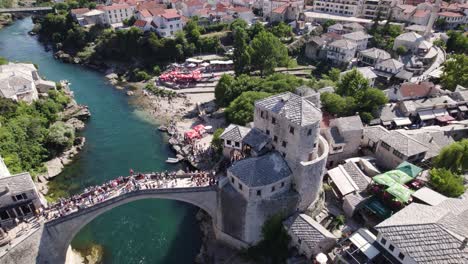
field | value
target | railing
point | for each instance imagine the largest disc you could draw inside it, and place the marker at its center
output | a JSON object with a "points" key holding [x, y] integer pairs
{"points": [[25, 9]]}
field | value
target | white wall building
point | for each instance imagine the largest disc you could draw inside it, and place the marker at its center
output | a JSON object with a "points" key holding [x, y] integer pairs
{"points": [[360, 38], [341, 51], [339, 7], [168, 23], [117, 13], [18, 82]]}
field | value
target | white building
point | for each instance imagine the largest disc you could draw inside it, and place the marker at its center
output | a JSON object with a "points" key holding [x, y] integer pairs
{"points": [[360, 38], [308, 236], [285, 9], [168, 23], [117, 13], [341, 51], [371, 8], [21, 81], [453, 19], [421, 233], [388, 68], [350, 8], [372, 56]]}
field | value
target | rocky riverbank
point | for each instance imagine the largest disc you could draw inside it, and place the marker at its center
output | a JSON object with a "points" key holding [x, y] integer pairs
{"points": [[75, 116], [5, 20]]}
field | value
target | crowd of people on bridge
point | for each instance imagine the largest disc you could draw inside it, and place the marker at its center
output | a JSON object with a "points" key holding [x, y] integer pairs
{"points": [[113, 188]]}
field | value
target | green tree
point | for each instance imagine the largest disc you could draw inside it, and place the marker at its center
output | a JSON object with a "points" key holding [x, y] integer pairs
{"points": [[273, 248], [352, 83], [241, 51], [446, 182], [240, 111], [238, 23], [268, 53], [440, 23], [192, 31], [455, 72], [454, 157], [59, 138], [333, 75], [457, 42], [282, 30], [225, 83], [401, 50], [217, 142], [327, 24], [333, 103]]}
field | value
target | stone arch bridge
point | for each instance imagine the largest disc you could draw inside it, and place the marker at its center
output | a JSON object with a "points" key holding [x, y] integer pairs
{"points": [[49, 243]]}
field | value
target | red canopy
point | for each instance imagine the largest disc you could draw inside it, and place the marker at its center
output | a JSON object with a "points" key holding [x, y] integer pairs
{"points": [[191, 134], [445, 118], [199, 128]]}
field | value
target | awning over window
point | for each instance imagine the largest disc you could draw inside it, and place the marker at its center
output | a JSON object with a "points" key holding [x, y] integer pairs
{"points": [[426, 115], [440, 112], [364, 245], [403, 121]]}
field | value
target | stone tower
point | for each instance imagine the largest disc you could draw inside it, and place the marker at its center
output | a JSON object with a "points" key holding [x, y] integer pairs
{"points": [[293, 124], [434, 14]]}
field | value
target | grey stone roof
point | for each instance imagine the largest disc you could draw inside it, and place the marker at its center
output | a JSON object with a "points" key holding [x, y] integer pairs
{"points": [[361, 180], [376, 53], [375, 133], [427, 103], [262, 170], [358, 35], [18, 183], [344, 44], [403, 143], [390, 64], [430, 234], [292, 107], [235, 133], [409, 36], [336, 26], [349, 123], [256, 139], [433, 140], [307, 230], [354, 26], [367, 72]]}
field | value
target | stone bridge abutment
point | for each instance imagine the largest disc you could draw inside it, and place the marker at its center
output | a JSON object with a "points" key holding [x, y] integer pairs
{"points": [[58, 234]]}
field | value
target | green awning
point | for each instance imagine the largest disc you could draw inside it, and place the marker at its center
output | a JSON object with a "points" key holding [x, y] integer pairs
{"points": [[384, 179], [376, 207], [400, 192], [409, 168], [399, 176]]}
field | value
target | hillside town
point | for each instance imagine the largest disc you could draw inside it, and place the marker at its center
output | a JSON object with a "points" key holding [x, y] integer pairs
{"points": [[341, 126]]}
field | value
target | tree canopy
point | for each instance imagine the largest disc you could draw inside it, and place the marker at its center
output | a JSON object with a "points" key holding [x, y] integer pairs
{"points": [[457, 42], [354, 94], [455, 72], [240, 111], [454, 157], [229, 88], [268, 53], [446, 182]]}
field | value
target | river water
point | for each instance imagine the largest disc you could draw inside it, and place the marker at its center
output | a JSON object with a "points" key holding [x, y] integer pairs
{"points": [[119, 137]]}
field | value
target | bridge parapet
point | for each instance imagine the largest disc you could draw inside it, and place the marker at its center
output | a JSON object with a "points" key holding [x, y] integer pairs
{"points": [[26, 9]]}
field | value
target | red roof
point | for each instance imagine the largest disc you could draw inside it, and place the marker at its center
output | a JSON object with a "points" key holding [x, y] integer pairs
{"points": [[145, 13], [281, 9], [140, 23], [194, 3], [170, 13], [156, 11], [149, 5], [450, 14], [115, 7], [421, 13], [79, 11], [240, 9], [417, 90]]}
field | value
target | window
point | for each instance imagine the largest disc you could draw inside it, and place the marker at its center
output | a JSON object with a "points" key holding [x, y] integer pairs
{"points": [[275, 139], [232, 179], [383, 241], [282, 184], [268, 132], [19, 197], [284, 144], [261, 114], [309, 132], [4, 215], [391, 247], [228, 142], [259, 193], [401, 256], [299, 241], [385, 146], [240, 186], [291, 130], [315, 144], [273, 120], [398, 154], [273, 188], [237, 144], [284, 154]]}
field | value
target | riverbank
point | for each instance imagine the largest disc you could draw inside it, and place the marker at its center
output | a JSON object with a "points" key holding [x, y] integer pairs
{"points": [[74, 115]]}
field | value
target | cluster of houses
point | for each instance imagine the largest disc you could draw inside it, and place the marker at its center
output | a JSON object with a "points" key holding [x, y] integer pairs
{"points": [[377, 177], [21, 82], [414, 58]]}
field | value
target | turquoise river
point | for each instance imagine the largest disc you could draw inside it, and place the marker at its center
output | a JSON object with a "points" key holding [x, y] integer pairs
{"points": [[119, 137]]}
